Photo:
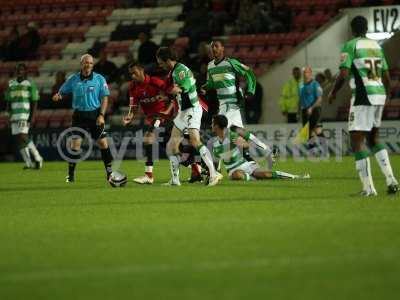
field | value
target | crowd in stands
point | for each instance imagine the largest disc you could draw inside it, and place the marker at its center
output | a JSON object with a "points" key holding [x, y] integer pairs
{"points": [[202, 20], [21, 44]]}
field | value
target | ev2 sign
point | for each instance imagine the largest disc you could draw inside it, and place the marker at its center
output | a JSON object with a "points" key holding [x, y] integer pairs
{"points": [[384, 19]]}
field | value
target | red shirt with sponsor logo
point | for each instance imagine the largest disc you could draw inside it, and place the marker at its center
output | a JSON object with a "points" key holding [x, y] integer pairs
{"points": [[150, 95]]}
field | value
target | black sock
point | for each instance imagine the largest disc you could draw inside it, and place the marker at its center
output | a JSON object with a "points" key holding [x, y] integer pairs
{"points": [[246, 155], [72, 165], [107, 159], [148, 150]]}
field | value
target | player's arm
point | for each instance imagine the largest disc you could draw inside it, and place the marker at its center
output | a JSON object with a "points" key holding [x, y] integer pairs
{"points": [[247, 73], [133, 107], [208, 85], [103, 94], [387, 83], [33, 101], [386, 80], [318, 95], [65, 89], [346, 60]]}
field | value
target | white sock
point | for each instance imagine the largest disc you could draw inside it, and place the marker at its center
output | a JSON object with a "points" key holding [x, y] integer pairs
{"points": [[363, 167], [148, 169], [382, 158], [281, 174], [34, 151], [174, 167], [26, 157], [207, 158]]}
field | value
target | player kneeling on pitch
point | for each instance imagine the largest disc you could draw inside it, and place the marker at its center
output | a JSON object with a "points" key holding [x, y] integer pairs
{"points": [[227, 146]]}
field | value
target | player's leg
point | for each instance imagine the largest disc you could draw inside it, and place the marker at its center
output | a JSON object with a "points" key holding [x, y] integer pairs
{"points": [[22, 141], [360, 123], [236, 124], [38, 160], [148, 141], [75, 147], [205, 156], [381, 154], [266, 174], [173, 153], [106, 155]]}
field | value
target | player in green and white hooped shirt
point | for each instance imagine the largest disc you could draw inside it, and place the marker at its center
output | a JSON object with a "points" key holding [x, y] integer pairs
{"points": [[228, 146], [370, 83], [223, 76], [189, 115], [22, 96]]}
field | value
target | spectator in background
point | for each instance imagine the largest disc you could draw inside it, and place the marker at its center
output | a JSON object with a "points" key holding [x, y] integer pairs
{"points": [[246, 17], [289, 101], [281, 17], [218, 17], [105, 67], [28, 43], [9, 49], [197, 26], [147, 51], [200, 62], [253, 106], [311, 101]]}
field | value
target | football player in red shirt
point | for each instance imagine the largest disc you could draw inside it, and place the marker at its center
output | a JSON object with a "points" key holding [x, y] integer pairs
{"points": [[150, 93]]}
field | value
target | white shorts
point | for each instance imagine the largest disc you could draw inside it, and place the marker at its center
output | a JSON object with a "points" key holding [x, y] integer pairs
{"points": [[232, 114], [365, 117], [19, 127], [189, 118], [248, 167]]}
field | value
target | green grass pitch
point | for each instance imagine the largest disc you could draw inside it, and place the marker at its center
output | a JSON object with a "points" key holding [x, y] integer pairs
{"points": [[256, 240]]}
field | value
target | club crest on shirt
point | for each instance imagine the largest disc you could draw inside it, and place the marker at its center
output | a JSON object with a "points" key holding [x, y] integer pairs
{"points": [[181, 75]]}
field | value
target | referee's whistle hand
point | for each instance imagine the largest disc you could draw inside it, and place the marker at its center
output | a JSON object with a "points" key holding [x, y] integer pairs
{"points": [[56, 97]]}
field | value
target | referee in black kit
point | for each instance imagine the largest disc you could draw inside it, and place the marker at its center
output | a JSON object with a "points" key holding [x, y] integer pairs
{"points": [[89, 101]]}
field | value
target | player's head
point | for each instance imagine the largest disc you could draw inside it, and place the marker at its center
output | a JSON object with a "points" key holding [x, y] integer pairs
{"points": [[20, 71], [166, 58], [86, 64], [307, 74], [218, 48], [136, 71], [296, 72], [219, 123], [359, 26]]}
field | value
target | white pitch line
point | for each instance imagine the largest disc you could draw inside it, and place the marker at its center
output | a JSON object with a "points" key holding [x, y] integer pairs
{"points": [[294, 261]]}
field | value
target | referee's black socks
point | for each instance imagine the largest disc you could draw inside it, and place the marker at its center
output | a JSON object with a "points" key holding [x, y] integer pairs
{"points": [[107, 159]]}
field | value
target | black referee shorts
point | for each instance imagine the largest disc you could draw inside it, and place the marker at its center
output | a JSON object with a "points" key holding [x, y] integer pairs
{"points": [[313, 119], [86, 120]]}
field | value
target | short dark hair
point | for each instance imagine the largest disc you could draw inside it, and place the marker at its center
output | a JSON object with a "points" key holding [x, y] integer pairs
{"points": [[165, 53], [135, 63], [221, 41], [359, 26], [21, 65], [221, 121]]}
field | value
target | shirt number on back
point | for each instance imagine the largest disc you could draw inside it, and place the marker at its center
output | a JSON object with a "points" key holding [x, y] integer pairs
{"points": [[373, 66]]}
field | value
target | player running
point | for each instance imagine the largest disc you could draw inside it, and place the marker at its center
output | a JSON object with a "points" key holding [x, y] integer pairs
{"points": [[228, 146], [150, 94], [364, 59], [223, 75], [22, 97], [188, 118]]}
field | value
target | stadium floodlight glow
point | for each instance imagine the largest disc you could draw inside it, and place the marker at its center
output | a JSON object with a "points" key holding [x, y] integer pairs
{"points": [[378, 36]]}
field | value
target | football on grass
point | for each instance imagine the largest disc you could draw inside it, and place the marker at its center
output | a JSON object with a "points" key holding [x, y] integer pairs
{"points": [[117, 179]]}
